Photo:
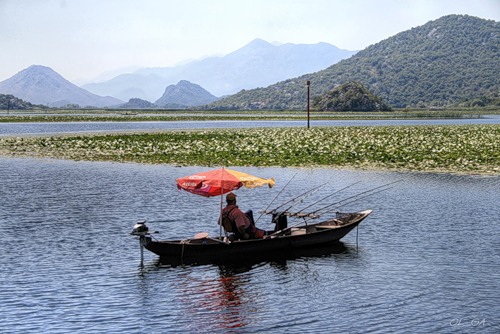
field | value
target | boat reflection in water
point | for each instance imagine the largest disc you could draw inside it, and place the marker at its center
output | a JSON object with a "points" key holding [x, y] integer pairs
{"points": [[230, 293]]}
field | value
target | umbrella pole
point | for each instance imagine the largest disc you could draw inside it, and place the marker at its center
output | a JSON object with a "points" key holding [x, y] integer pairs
{"points": [[220, 217]]}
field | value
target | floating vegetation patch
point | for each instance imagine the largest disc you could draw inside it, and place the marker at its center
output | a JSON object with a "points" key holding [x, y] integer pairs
{"points": [[464, 148]]}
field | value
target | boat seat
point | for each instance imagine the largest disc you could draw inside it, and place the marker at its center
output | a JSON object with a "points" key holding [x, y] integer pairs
{"points": [[297, 231]]}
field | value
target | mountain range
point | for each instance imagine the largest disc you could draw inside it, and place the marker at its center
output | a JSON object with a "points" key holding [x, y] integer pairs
{"points": [[257, 64], [183, 95], [453, 60], [42, 85], [448, 61]]}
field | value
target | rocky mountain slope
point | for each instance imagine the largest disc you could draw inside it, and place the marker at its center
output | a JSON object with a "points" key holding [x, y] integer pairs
{"points": [[443, 62]]}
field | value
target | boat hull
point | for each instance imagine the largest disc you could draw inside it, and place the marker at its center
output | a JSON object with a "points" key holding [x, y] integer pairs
{"points": [[214, 250]]}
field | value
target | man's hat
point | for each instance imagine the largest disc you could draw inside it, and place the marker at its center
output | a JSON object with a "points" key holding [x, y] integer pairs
{"points": [[231, 197]]}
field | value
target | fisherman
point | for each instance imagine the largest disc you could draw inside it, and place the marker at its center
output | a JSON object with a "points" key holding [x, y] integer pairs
{"points": [[241, 224]]}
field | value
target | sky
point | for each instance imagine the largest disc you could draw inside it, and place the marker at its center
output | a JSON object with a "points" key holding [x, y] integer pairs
{"points": [[82, 39]]}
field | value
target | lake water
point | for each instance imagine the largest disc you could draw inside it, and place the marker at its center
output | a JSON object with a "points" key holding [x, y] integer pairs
{"points": [[10, 129], [427, 259]]}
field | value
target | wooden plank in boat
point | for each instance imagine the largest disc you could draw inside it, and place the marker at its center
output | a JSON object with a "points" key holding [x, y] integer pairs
{"points": [[327, 226]]}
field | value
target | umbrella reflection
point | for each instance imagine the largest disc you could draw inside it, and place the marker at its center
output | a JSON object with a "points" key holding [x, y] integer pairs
{"points": [[227, 302], [214, 300]]}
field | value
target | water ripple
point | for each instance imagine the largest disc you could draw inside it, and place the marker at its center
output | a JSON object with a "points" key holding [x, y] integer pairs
{"points": [[427, 256]]}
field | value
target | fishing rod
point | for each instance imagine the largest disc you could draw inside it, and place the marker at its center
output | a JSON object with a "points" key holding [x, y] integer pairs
{"points": [[275, 197], [294, 202], [295, 199], [361, 193], [290, 227], [359, 198], [370, 192], [329, 195], [354, 200], [301, 200]]}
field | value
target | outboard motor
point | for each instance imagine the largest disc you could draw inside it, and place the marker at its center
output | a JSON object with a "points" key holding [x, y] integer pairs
{"points": [[140, 229]]}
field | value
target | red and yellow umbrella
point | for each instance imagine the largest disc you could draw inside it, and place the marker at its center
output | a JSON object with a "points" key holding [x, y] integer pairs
{"points": [[220, 181]]}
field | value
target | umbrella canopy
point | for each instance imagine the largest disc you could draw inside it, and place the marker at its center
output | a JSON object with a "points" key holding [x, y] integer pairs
{"points": [[220, 181]]}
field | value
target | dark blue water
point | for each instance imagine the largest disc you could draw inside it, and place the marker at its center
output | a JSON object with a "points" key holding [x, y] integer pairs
{"points": [[428, 259], [9, 129]]}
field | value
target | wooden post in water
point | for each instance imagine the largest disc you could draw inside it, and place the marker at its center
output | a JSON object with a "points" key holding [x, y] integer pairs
{"points": [[357, 226], [308, 85]]}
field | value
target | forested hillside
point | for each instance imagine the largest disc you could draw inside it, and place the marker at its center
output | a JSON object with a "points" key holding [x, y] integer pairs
{"points": [[351, 96], [444, 62], [184, 94], [10, 102]]}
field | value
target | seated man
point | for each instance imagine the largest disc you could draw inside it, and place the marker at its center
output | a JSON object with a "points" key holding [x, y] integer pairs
{"points": [[234, 220]]}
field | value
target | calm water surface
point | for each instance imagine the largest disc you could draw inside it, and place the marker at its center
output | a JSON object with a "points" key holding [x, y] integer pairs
{"points": [[428, 258]]}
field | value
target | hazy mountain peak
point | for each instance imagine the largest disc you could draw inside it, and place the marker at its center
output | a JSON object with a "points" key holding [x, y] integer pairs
{"points": [[257, 64], [259, 42], [39, 69], [38, 74], [42, 85]]}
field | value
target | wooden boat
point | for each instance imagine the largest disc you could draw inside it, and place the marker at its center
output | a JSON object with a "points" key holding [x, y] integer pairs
{"points": [[203, 249]]}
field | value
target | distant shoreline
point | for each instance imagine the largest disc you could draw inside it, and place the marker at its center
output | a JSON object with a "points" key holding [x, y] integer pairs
{"points": [[153, 115]]}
